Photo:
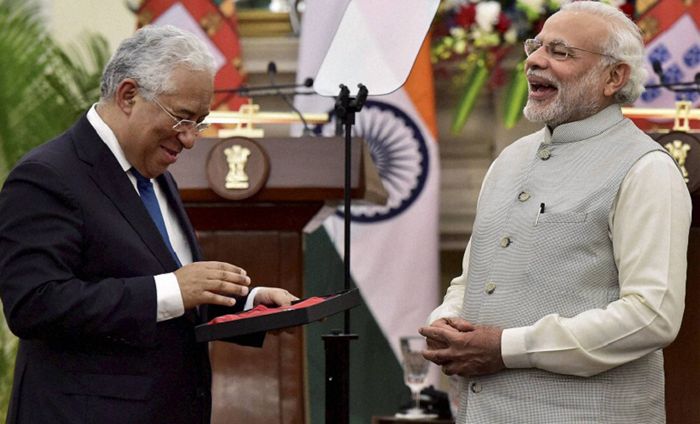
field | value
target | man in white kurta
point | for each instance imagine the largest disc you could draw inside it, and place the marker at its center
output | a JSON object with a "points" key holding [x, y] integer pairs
{"points": [[574, 278]]}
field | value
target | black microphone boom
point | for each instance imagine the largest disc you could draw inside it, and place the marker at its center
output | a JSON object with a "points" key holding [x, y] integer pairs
{"points": [[274, 89], [658, 70], [269, 90], [271, 72], [676, 87]]}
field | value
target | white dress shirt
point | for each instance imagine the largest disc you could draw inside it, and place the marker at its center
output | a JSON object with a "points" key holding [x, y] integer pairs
{"points": [[651, 209]]}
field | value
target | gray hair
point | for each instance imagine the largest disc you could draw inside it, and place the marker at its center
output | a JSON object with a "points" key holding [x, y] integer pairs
{"points": [[624, 44], [150, 55]]}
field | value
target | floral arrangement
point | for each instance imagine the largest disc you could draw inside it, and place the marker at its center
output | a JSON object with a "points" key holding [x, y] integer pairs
{"points": [[472, 37]]}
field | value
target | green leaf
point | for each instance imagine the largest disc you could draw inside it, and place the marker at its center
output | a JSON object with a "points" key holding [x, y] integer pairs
{"points": [[43, 88], [3, 167], [515, 96], [476, 78], [532, 13]]}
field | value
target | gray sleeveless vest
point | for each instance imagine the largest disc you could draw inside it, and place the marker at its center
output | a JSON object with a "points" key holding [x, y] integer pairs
{"points": [[525, 265]]}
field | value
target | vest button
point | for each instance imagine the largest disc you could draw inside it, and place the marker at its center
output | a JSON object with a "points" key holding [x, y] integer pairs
{"points": [[475, 388], [523, 196], [544, 154], [490, 288], [505, 242]]}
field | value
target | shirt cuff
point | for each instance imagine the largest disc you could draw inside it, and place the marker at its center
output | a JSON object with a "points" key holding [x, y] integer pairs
{"points": [[250, 301], [169, 298], [513, 348]]}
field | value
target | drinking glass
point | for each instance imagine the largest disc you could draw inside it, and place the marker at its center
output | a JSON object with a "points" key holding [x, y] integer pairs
{"points": [[415, 369]]}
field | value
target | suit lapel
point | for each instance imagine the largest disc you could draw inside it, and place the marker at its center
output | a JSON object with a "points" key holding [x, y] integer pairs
{"points": [[114, 183]]}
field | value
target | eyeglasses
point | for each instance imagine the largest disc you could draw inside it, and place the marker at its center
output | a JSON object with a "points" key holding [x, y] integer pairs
{"points": [[557, 50], [183, 125]]}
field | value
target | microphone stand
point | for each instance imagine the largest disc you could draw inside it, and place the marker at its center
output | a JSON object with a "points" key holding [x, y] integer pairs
{"points": [[676, 87], [337, 344], [267, 90], [274, 89]]}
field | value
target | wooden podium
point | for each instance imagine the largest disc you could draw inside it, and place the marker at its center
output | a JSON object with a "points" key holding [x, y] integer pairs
{"points": [[263, 233]]}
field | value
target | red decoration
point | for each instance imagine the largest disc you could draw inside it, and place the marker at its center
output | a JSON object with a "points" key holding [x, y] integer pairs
{"points": [[220, 25]]}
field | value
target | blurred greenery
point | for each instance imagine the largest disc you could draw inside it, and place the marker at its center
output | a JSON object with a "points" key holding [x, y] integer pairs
{"points": [[44, 88], [8, 347]]}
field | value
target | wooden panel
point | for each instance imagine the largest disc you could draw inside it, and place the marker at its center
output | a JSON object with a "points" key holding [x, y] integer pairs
{"points": [[252, 217], [263, 385], [681, 357], [302, 169], [291, 365]]}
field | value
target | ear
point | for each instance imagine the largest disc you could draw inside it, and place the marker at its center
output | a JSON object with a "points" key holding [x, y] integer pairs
{"points": [[617, 78], [125, 95]]}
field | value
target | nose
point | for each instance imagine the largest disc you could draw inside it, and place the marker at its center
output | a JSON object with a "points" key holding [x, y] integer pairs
{"points": [[187, 138], [537, 59]]}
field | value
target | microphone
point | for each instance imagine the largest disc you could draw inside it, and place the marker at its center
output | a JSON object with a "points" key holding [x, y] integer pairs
{"points": [[676, 87], [308, 82], [273, 89], [658, 70]]}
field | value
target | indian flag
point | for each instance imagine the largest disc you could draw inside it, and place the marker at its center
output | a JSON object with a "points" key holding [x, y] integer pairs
{"points": [[394, 248]]}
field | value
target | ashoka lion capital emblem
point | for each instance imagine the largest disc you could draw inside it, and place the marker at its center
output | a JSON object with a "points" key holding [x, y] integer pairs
{"points": [[237, 158], [679, 152], [237, 168]]}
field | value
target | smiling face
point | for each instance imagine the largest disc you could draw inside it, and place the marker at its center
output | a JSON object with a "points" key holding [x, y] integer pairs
{"points": [[568, 90], [150, 144]]}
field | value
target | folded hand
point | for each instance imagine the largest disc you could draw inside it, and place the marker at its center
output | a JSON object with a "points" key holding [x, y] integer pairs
{"points": [[463, 348]]}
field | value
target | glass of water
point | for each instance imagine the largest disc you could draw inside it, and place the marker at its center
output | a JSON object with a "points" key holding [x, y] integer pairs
{"points": [[415, 368]]}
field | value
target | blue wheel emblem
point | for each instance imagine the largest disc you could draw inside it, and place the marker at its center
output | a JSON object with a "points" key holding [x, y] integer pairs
{"points": [[398, 150]]}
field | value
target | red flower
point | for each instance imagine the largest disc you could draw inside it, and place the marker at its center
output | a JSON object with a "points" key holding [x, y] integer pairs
{"points": [[628, 9], [466, 15], [503, 23]]}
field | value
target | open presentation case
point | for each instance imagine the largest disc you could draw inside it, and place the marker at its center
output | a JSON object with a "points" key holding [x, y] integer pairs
{"points": [[261, 318]]}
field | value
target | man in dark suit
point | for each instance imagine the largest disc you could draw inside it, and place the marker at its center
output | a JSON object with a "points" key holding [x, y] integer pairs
{"points": [[100, 272]]}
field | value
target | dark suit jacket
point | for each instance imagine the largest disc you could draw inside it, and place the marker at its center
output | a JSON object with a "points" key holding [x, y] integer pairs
{"points": [[78, 253]]}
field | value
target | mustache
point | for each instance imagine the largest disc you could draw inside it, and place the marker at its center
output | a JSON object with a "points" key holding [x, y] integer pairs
{"points": [[544, 76]]}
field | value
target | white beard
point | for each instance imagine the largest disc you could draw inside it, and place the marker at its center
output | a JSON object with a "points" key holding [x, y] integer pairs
{"points": [[574, 100]]}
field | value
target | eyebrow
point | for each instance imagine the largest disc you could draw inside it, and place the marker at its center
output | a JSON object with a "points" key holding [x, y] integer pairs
{"points": [[554, 40], [183, 111]]}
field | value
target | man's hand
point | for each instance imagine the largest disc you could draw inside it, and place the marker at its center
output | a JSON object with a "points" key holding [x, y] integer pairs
{"points": [[463, 348], [211, 283], [272, 296], [444, 323]]}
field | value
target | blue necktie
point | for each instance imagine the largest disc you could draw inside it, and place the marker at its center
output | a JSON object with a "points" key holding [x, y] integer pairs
{"points": [[148, 197]]}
